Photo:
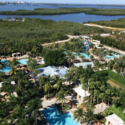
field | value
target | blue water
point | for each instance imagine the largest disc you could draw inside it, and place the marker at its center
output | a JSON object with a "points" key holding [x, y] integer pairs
{"points": [[23, 61], [8, 68], [54, 118], [84, 54], [11, 7], [76, 17], [111, 57]]}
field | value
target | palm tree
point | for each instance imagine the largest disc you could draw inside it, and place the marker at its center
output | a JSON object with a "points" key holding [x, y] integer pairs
{"points": [[14, 62], [108, 92], [89, 116], [1, 64], [70, 57], [47, 85], [19, 113], [13, 71], [32, 64], [91, 86], [91, 57], [61, 97], [79, 115], [82, 57], [111, 64], [58, 82], [36, 72], [102, 96], [96, 94], [84, 84], [33, 108]]}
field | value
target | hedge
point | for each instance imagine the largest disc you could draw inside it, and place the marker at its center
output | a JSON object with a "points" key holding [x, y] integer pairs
{"points": [[113, 76], [117, 78]]}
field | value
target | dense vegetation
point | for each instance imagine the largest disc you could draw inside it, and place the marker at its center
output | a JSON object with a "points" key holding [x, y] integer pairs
{"points": [[54, 57], [111, 42], [22, 36], [113, 23], [46, 11]]}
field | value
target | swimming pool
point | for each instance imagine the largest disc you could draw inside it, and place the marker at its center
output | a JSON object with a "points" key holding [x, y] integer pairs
{"points": [[23, 61], [111, 57], [8, 68], [84, 54], [54, 118]]}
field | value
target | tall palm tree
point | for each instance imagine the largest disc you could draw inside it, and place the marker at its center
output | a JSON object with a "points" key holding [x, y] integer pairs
{"points": [[96, 94], [79, 115], [61, 97], [91, 86], [47, 85], [84, 84], [70, 57], [33, 108], [13, 71], [108, 92], [89, 116]]}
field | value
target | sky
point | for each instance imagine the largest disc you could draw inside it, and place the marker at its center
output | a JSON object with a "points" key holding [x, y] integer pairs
{"points": [[120, 2]]}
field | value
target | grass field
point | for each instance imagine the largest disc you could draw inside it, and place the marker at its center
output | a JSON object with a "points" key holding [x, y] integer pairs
{"points": [[114, 84]]}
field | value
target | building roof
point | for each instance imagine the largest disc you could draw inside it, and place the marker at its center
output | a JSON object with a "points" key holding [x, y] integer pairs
{"points": [[81, 91], [52, 70], [100, 108], [84, 64], [115, 120]]}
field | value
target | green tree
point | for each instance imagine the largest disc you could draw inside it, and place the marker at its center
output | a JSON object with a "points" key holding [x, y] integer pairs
{"points": [[61, 97], [31, 64], [79, 115], [54, 57]]}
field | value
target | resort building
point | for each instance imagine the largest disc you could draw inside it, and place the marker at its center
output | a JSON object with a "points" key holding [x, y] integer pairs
{"points": [[84, 64], [114, 120], [52, 71]]}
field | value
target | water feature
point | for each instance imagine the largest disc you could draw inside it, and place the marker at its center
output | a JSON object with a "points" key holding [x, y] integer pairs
{"points": [[11, 7], [84, 54], [77, 17], [23, 61], [111, 57], [8, 68], [54, 118]]}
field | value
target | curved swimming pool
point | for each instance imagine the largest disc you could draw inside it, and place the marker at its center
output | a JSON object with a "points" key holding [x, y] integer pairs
{"points": [[8, 68]]}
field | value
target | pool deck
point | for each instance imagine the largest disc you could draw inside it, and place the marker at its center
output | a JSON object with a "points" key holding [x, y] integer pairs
{"points": [[51, 102]]}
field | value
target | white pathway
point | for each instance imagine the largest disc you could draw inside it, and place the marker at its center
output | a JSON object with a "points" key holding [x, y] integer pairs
{"points": [[62, 41]]}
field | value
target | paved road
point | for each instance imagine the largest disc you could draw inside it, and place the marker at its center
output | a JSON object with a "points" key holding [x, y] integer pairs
{"points": [[62, 41], [106, 27]]}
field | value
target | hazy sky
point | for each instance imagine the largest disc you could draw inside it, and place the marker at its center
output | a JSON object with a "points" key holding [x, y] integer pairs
{"points": [[76, 1]]}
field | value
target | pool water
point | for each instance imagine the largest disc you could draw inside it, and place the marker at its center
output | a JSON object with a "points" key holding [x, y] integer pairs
{"points": [[111, 57], [54, 118], [84, 54], [23, 61], [8, 68]]}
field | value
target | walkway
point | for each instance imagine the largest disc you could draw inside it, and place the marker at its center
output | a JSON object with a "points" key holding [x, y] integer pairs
{"points": [[106, 27], [62, 41]]}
